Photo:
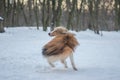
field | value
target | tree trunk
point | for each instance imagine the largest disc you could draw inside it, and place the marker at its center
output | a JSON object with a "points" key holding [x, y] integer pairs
{"points": [[93, 18], [1, 27], [58, 13], [117, 14], [2, 2], [78, 14], [96, 9], [36, 14], [71, 15], [30, 12], [23, 12], [53, 14]]}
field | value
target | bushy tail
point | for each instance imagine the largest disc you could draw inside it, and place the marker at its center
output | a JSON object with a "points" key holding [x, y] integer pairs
{"points": [[71, 41]]}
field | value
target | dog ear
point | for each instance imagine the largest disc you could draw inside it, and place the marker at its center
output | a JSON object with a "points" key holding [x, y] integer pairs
{"points": [[65, 31], [71, 33]]}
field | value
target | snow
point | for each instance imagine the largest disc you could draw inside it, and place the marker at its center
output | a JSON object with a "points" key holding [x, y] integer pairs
{"points": [[97, 57], [1, 18]]}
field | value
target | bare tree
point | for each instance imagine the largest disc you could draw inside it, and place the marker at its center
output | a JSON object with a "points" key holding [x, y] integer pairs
{"points": [[2, 2], [93, 18], [71, 14], [117, 14], [30, 11], [56, 13], [45, 14], [36, 13]]}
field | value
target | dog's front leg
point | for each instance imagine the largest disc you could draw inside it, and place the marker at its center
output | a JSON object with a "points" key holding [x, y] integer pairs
{"points": [[72, 62]]}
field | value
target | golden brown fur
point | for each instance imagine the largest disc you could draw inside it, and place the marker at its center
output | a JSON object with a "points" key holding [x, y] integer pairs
{"points": [[60, 47]]}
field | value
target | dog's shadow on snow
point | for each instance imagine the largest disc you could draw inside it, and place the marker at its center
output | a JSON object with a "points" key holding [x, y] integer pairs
{"points": [[64, 71], [48, 69]]}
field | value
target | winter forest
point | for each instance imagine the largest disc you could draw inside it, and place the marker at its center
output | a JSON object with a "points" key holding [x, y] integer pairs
{"points": [[74, 14]]}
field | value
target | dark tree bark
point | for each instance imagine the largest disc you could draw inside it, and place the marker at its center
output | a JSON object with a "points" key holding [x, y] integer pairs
{"points": [[45, 14], [71, 14], [2, 6], [58, 13], [30, 12], [93, 18], [117, 14], [96, 9], [36, 13]]}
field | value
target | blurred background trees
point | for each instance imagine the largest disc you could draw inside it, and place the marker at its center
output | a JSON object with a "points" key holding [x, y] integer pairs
{"points": [[74, 14]]}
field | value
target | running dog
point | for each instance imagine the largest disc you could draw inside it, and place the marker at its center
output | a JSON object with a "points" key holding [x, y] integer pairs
{"points": [[60, 47]]}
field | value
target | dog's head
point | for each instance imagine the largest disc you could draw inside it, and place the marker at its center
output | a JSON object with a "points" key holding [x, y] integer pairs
{"points": [[58, 31]]}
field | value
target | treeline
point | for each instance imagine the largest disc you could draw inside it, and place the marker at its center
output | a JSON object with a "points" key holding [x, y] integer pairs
{"points": [[74, 14]]}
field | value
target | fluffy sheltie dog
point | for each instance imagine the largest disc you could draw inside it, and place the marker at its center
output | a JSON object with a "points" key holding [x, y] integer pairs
{"points": [[60, 47]]}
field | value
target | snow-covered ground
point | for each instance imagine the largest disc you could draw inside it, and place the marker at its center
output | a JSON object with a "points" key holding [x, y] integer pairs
{"points": [[97, 58]]}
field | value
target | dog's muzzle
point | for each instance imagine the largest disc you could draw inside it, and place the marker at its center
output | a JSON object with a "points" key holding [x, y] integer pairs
{"points": [[49, 34]]}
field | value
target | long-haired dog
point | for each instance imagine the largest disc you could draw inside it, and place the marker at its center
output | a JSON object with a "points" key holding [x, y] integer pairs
{"points": [[60, 47]]}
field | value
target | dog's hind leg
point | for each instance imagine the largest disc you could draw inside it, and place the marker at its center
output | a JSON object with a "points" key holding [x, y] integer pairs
{"points": [[52, 65], [72, 62], [65, 63]]}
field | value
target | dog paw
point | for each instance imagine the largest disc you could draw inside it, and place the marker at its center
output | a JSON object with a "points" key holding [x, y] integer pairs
{"points": [[75, 69]]}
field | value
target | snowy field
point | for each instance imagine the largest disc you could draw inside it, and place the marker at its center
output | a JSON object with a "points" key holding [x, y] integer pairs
{"points": [[97, 58]]}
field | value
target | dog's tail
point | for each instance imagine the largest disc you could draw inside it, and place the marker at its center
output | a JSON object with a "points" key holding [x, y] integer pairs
{"points": [[71, 41]]}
